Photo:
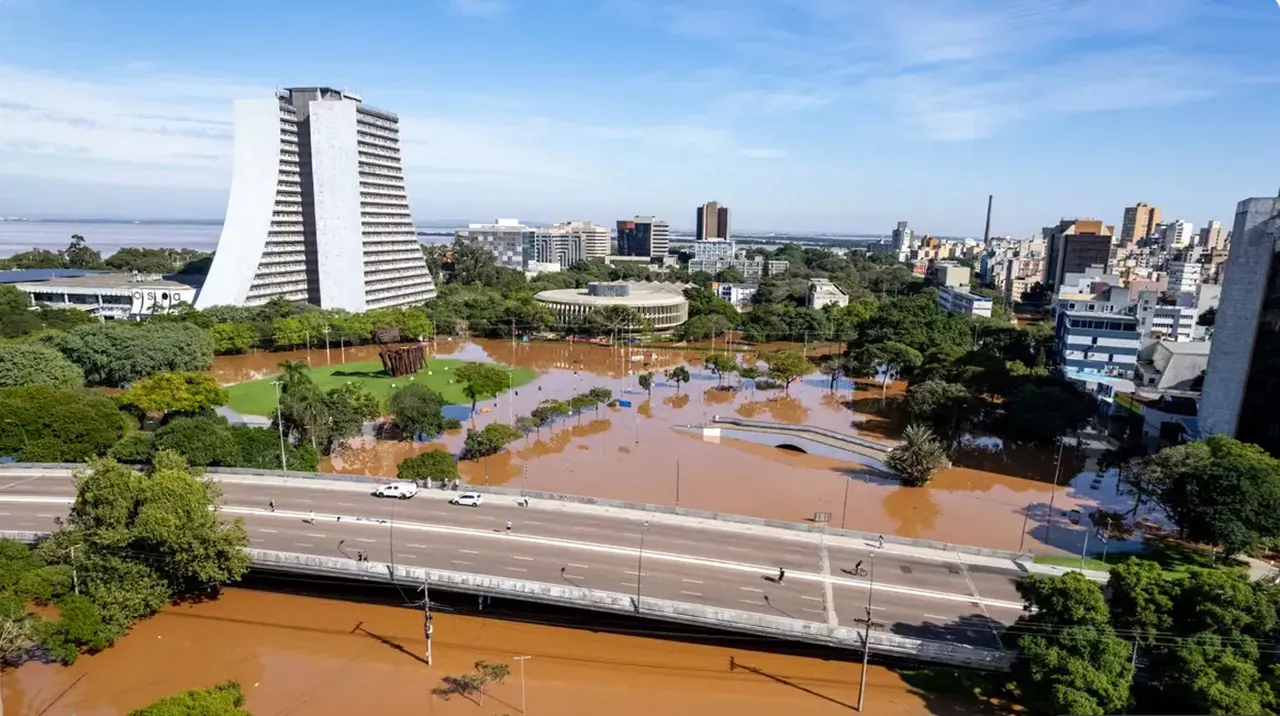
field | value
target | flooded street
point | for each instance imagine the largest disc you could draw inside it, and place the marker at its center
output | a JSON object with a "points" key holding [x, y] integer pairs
{"points": [[639, 453], [321, 657]]}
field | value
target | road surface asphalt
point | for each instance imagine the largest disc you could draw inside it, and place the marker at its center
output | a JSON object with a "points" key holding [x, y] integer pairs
{"points": [[616, 551]]}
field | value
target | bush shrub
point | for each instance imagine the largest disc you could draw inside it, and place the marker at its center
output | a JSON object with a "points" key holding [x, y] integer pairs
{"points": [[116, 352], [47, 424], [34, 364], [203, 441], [136, 448], [431, 465]]}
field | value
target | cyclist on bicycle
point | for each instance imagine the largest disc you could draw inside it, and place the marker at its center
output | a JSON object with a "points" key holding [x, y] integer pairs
{"points": [[857, 568]]}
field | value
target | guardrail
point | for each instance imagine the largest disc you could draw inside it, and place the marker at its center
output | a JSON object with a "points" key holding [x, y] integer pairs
{"points": [[814, 529], [811, 429]]}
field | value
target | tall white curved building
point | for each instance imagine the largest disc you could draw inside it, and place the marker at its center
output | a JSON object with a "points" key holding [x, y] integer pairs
{"points": [[318, 210]]}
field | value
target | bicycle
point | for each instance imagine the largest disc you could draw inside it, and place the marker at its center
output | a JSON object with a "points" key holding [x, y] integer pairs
{"points": [[857, 572]]}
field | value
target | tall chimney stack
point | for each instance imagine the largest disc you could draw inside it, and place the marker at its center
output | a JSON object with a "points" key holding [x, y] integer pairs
{"points": [[986, 233]]}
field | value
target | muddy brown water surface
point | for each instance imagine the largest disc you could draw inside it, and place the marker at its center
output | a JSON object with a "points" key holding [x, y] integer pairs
{"points": [[639, 453], [322, 657]]}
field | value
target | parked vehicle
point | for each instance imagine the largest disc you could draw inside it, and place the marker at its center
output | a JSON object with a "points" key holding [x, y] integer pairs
{"points": [[398, 490], [468, 499]]}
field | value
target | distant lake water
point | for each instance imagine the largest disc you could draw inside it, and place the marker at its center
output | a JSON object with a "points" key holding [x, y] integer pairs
{"points": [[107, 238]]}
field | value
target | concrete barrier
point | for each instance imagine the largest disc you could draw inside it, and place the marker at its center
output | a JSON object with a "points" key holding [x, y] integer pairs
{"points": [[600, 502], [810, 429]]}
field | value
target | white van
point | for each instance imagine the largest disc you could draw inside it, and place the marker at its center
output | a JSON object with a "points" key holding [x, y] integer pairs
{"points": [[399, 490]]}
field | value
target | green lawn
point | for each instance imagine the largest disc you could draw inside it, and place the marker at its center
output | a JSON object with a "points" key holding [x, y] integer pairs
{"points": [[1175, 557], [258, 397]]}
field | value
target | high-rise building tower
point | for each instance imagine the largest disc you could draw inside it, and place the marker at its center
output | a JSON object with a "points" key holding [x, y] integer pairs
{"points": [[1178, 235], [317, 210], [1075, 245], [1242, 380], [903, 240], [1139, 222], [1213, 237], [712, 221], [643, 236]]}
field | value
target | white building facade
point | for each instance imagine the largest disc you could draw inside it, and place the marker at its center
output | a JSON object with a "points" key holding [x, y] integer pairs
{"points": [[317, 209]]}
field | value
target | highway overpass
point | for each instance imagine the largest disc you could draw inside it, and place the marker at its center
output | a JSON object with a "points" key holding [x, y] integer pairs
{"points": [[945, 605]]}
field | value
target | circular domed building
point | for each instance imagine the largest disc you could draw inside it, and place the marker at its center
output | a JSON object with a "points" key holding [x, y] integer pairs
{"points": [[663, 304]]}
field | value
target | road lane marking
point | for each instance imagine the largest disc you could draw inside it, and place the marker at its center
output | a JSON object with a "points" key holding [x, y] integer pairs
{"points": [[526, 559], [313, 534], [44, 515], [750, 589], [751, 601], [700, 562], [459, 561], [302, 544], [410, 556], [517, 569], [305, 502], [469, 551], [812, 599], [346, 504], [574, 576], [419, 546], [693, 581], [579, 566], [255, 539], [264, 529], [815, 611], [692, 594], [635, 574], [531, 522], [633, 585], [361, 539], [5, 514], [935, 616]]}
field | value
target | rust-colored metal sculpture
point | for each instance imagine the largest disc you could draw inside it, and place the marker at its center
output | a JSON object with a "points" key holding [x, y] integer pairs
{"points": [[398, 361]]}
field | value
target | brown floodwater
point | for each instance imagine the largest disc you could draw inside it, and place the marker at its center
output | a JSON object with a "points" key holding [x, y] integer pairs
{"points": [[638, 452], [321, 657]]}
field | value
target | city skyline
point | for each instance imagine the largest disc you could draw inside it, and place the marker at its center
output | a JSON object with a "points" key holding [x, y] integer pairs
{"points": [[902, 113]]}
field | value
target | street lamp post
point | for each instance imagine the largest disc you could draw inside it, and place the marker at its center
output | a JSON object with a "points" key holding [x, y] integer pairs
{"points": [[327, 359], [677, 481], [522, 659], [25, 442], [866, 636], [844, 507], [1057, 470], [284, 465], [640, 564]]}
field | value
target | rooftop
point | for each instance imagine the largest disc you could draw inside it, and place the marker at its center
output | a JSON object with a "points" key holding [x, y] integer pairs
{"points": [[116, 282], [31, 275]]}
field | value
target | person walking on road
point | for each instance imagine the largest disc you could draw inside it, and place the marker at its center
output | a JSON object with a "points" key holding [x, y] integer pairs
{"points": [[857, 568], [271, 505], [781, 574], [312, 518], [881, 541], [508, 526]]}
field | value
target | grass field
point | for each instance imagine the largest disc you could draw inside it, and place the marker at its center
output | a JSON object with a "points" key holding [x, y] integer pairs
{"points": [[1174, 557], [258, 397]]}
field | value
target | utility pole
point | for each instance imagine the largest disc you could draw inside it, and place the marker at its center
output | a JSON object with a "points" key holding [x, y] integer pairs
{"points": [[284, 465], [522, 659], [426, 614], [866, 637], [1057, 468]]}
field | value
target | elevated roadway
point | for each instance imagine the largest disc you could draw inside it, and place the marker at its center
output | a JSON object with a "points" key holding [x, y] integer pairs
{"points": [[934, 596]]}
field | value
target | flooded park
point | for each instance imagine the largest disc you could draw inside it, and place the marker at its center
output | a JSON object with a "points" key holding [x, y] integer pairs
{"points": [[995, 496]]}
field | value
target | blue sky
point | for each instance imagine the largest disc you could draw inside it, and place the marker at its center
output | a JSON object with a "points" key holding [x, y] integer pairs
{"points": [[844, 115]]}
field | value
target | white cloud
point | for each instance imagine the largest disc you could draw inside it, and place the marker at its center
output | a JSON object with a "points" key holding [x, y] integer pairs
{"points": [[478, 8]]}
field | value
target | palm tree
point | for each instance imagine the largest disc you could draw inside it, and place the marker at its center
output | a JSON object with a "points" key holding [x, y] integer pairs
{"points": [[918, 457], [295, 377]]}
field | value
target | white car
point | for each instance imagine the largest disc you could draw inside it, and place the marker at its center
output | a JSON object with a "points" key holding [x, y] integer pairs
{"points": [[398, 490], [468, 499]]}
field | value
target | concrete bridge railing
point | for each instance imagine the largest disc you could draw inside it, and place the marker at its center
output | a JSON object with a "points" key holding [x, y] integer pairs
{"points": [[804, 429]]}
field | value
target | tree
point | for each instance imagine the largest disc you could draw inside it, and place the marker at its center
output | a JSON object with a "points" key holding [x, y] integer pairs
{"points": [[1218, 491], [78, 255], [430, 465], [749, 372], [786, 366], [1071, 661], [599, 396], [678, 375], [222, 700], [833, 370], [548, 411], [702, 327], [35, 364], [135, 448], [490, 673], [488, 440], [417, 410], [46, 424], [175, 392], [16, 631], [947, 408], [155, 261], [720, 364], [231, 338], [481, 380], [346, 409], [646, 382], [79, 626], [169, 515], [899, 358], [730, 275], [1142, 598], [1043, 413], [260, 449], [1208, 317], [918, 457], [202, 440], [289, 331], [117, 352]]}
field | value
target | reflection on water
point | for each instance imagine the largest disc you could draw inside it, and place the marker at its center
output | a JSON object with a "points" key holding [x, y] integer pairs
{"points": [[633, 453], [302, 655]]}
